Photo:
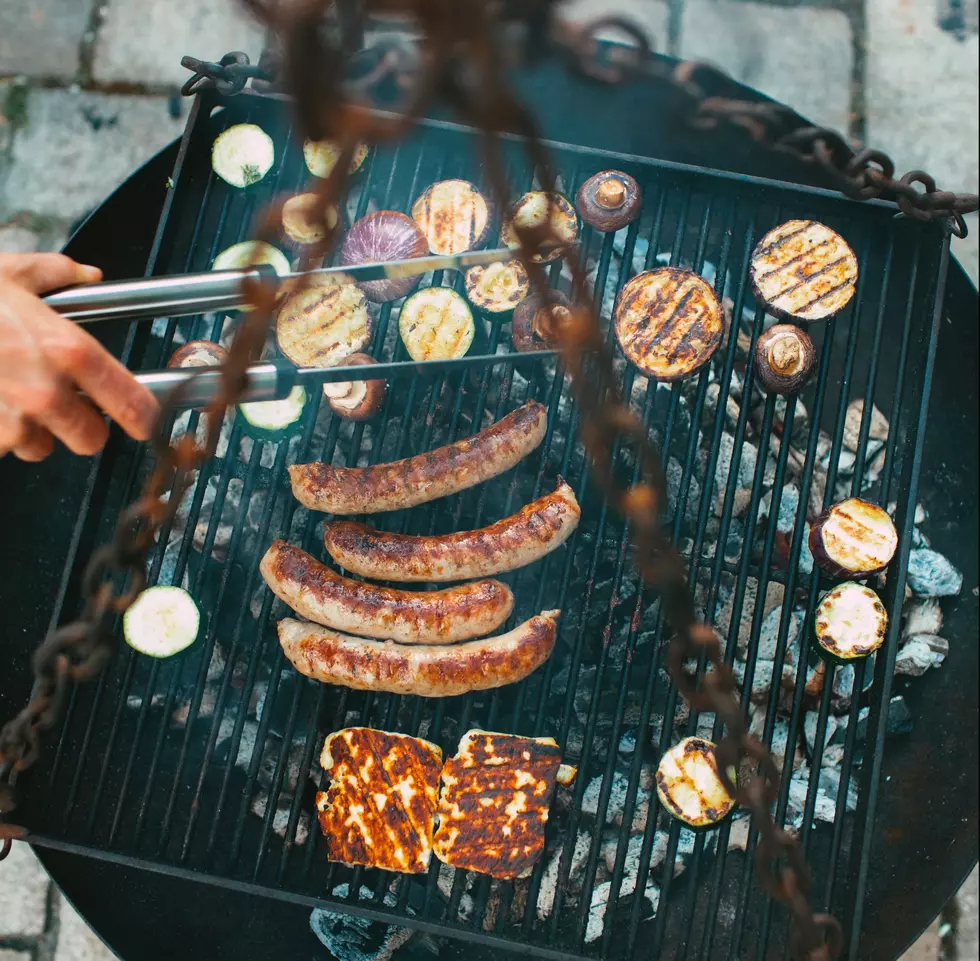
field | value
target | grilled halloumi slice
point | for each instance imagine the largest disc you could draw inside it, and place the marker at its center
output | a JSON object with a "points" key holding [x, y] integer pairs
{"points": [[688, 784], [669, 322], [803, 270], [493, 803], [379, 809]]}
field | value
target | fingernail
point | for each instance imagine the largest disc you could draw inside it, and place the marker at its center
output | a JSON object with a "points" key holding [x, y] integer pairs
{"points": [[91, 273]]}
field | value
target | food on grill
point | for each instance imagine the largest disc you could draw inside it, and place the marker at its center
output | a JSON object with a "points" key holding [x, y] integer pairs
{"points": [[242, 155], [853, 539], [303, 223], [436, 324], [497, 289], [409, 617], [425, 477], [321, 157], [516, 541], [426, 670], [274, 416], [688, 784], [669, 322], [784, 359], [323, 324], [162, 621], [803, 270], [453, 215], [356, 399], [609, 200], [850, 622], [379, 238], [250, 253], [537, 321], [533, 210], [198, 353], [379, 808], [494, 801]]}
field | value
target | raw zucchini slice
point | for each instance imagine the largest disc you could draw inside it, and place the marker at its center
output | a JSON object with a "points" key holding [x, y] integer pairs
{"points": [[162, 621], [275, 415], [242, 155], [249, 253]]}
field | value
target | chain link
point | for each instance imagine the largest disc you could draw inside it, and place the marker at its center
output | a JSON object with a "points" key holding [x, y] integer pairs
{"points": [[316, 71]]}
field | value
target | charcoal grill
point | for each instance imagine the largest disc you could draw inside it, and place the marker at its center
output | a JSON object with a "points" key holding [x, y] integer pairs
{"points": [[123, 783]]}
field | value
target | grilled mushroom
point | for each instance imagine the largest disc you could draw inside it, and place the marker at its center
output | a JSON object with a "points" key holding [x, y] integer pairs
{"points": [[198, 353], [803, 270], [321, 157], [850, 622], [381, 237], [323, 324], [242, 155], [853, 539], [301, 224], [536, 322], [497, 289], [688, 784], [784, 359], [356, 399], [609, 200], [453, 215], [532, 210], [669, 322]]}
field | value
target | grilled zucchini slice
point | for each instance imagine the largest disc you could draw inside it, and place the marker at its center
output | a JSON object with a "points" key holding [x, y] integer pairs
{"points": [[850, 622], [436, 324], [275, 416], [162, 621], [248, 254], [689, 787], [497, 289]]}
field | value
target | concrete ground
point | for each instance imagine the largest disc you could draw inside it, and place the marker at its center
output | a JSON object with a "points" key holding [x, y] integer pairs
{"points": [[86, 95]]}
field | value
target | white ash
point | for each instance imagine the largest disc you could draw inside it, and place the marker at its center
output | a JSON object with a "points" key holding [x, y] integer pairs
{"points": [[923, 617], [576, 874], [931, 574], [280, 820], [746, 465], [789, 503], [810, 729], [806, 557], [617, 794], [447, 876], [600, 902], [919, 653], [627, 744], [843, 689], [769, 633], [738, 835], [825, 802], [692, 490], [878, 427]]}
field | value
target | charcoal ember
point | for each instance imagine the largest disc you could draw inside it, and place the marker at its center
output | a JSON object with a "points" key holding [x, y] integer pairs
{"points": [[780, 736], [349, 938], [627, 744], [769, 633], [931, 574], [740, 503], [705, 726], [709, 411], [923, 617], [280, 820], [919, 540], [618, 790], [818, 490], [746, 466], [825, 802], [843, 689], [445, 882], [873, 468], [878, 427], [789, 502], [810, 724], [805, 566], [801, 418], [919, 653], [723, 621], [222, 527], [204, 709], [552, 877], [600, 903], [676, 485], [761, 678]]}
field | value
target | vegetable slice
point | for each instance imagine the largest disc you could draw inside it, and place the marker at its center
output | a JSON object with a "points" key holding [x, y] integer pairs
{"points": [[688, 784], [242, 155], [275, 415], [300, 224], [850, 622], [497, 289], [453, 215], [379, 238], [162, 621], [853, 539], [532, 210], [321, 157], [249, 253], [436, 324], [320, 325]]}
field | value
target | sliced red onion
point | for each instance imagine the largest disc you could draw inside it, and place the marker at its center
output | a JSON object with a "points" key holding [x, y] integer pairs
{"points": [[379, 238]]}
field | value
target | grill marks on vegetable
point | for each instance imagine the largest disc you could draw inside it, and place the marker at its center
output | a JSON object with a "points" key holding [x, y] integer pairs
{"points": [[322, 325], [453, 215], [850, 622], [803, 269], [689, 786]]}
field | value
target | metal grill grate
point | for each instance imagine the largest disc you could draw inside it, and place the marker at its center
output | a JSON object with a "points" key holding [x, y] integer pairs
{"points": [[200, 763]]}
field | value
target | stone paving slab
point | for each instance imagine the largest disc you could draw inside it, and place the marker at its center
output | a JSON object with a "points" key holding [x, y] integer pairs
{"points": [[14, 955], [77, 147], [18, 240], [42, 38], [76, 940], [652, 15], [23, 894], [800, 56], [144, 39]]}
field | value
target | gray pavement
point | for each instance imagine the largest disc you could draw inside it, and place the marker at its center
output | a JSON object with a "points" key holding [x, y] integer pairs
{"points": [[85, 98]]}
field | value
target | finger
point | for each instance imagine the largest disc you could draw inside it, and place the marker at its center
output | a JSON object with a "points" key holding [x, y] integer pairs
{"points": [[39, 273], [36, 443], [106, 381], [56, 406]]}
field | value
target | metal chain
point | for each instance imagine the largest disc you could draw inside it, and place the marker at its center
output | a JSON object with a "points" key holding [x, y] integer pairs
{"points": [[316, 70]]}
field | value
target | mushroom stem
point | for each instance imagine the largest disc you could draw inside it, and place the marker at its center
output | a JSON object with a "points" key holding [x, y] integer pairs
{"points": [[785, 354], [611, 194], [549, 320]]}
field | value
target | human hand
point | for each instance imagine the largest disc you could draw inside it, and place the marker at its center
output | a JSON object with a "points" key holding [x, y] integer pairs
{"points": [[45, 359]]}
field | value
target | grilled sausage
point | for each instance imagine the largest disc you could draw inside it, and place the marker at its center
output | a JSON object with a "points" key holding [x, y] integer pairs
{"points": [[425, 477], [510, 543], [427, 670], [411, 617]]}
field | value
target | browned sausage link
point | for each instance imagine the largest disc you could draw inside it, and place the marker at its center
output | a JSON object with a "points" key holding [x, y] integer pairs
{"points": [[513, 542], [411, 617], [425, 670], [425, 477]]}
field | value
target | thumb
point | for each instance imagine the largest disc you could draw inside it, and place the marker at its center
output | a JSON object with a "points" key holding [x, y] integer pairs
{"points": [[39, 273]]}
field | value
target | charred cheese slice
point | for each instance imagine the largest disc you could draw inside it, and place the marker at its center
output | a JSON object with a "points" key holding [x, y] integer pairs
{"points": [[379, 809], [493, 803]]}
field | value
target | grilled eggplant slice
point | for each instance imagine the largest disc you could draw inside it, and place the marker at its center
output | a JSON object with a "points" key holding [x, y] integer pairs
{"points": [[532, 210], [321, 157], [537, 322], [784, 359], [453, 215], [301, 224], [669, 322], [803, 270], [850, 622], [436, 324], [689, 787], [379, 238], [496, 289], [323, 324], [356, 399], [242, 155], [853, 539], [609, 200]]}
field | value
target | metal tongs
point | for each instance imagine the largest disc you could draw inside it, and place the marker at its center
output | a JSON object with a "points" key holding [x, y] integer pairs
{"points": [[187, 294]]}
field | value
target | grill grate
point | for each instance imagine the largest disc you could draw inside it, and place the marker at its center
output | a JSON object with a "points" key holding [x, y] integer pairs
{"points": [[199, 764]]}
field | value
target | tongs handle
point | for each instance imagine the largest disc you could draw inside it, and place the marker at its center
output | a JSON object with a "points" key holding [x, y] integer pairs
{"points": [[177, 296]]}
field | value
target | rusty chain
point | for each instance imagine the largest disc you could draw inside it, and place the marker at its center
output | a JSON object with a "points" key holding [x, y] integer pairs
{"points": [[462, 51]]}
